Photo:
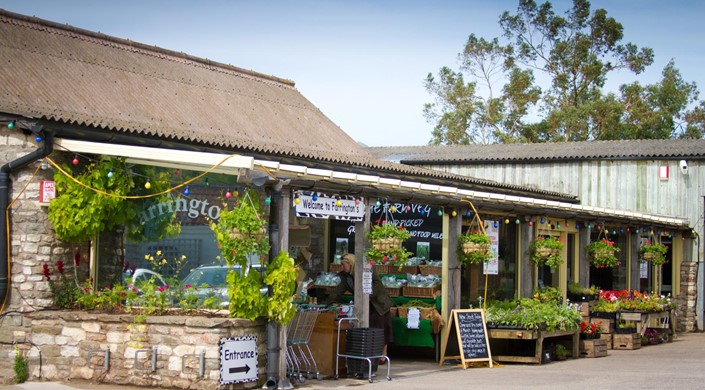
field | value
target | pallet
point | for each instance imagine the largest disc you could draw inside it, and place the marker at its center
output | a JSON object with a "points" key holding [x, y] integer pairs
{"points": [[593, 348], [608, 338], [626, 341]]}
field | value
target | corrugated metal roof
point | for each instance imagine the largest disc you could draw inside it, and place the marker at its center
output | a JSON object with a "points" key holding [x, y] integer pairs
{"points": [[78, 77], [604, 150]]}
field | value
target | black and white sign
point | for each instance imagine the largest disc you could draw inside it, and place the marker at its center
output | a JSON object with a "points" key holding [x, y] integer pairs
{"points": [[323, 206], [238, 359]]}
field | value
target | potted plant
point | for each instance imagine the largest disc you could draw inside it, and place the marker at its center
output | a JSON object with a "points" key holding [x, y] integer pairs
{"points": [[473, 248], [560, 352], [547, 251], [386, 244], [655, 253], [578, 293], [602, 253], [590, 330]]}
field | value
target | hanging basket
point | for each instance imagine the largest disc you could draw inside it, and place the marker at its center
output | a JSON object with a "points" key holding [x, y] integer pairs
{"points": [[648, 256], [546, 252], [237, 234], [473, 247], [386, 244]]}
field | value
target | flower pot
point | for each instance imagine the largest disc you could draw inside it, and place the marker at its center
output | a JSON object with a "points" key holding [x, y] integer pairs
{"points": [[387, 243], [649, 256], [237, 234]]}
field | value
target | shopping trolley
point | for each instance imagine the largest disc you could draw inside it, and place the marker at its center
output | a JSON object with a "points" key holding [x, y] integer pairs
{"points": [[299, 359]]}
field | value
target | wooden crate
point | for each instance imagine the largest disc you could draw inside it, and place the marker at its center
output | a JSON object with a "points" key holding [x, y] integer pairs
{"points": [[421, 292], [335, 267], [626, 341], [381, 269], [425, 313], [608, 338], [407, 269], [593, 348], [606, 324], [585, 309]]}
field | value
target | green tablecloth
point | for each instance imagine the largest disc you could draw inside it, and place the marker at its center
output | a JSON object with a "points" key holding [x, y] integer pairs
{"points": [[422, 337]]}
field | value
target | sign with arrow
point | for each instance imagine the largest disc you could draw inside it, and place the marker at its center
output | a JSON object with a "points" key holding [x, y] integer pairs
{"points": [[238, 359]]}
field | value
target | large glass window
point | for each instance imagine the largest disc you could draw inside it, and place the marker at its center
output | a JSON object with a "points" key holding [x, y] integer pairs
{"points": [[502, 284]]}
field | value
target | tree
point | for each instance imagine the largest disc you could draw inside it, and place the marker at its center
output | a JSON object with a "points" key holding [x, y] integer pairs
{"points": [[576, 52]]}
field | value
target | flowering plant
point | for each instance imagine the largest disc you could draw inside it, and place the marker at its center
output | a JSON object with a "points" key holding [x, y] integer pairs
{"points": [[386, 239], [547, 251], [602, 252], [590, 330], [655, 253], [473, 248]]}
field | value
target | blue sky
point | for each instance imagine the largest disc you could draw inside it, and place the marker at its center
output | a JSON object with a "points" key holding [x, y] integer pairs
{"points": [[362, 62]]}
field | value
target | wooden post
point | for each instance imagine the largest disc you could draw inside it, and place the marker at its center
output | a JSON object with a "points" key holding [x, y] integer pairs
{"points": [[282, 245], [362, 301], [583, 261], [526, 267]]}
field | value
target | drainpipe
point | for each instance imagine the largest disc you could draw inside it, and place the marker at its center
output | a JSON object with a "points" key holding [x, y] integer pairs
{"points": [[44, 150]]}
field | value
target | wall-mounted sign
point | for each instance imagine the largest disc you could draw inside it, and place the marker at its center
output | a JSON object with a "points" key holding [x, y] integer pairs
{"points": [[325, 206], [47, 191], [238, 359]]}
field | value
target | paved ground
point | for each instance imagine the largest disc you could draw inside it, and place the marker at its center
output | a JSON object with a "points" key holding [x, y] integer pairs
{"points": [[676, 365]]}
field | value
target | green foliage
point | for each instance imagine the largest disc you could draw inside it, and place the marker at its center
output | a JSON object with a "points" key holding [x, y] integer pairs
{"points": [[246, 301], [476, 256], [241, 231], [546, 250], [381, 251], [491, 96], [96, 202], [602, 253], [605, 306], [281, 277], [655, 253], [561, 351], [65, 291], [577, 289], [533, 314], [548, 294], [20, 366]]}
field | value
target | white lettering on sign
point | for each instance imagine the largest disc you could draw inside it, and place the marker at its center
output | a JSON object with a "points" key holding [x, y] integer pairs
{"points": [[238, 360], [47, 191], [324, 206]]}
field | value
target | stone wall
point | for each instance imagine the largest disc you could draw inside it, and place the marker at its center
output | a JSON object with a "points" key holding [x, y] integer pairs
{"points": [[687, 310], [66, 339]]}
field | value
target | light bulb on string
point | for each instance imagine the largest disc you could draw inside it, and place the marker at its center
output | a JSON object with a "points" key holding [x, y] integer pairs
{"points": [[187, 191], [407, 208], [357, 201], [110, 173], [147, 184], [454, 213], [75, 160], [599, 227], [440, 212], [506, 221], [229, 195], [467, 213], [496, 224], [531, 223], [11, 125], [338, 202], [297, 200], [38, 138], [614, 232], [542, 221], [314, 197], [558, 225], [268, 199], [44, 165], [517, 221], [393, 208], [577, 226], [378, 203], [421, 212], [207, 184], [567, 224]]}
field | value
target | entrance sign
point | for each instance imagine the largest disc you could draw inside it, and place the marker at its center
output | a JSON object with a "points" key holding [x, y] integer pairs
{"points": [[238, 359], [466, 338], [317, 205]]}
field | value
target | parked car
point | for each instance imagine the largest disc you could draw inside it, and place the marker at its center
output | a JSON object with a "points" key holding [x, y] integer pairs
{"points": [[142, 275], [210, 280]]}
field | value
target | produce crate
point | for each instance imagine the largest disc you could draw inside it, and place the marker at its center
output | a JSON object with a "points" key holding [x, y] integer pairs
{"points": [[626, 341], [424, 312], [381, 269], [407, 269], [430, 270], [394, 311], [608, 338], [606, 324], [335, 267], [421, 292], [393, 291], [593, 348]]}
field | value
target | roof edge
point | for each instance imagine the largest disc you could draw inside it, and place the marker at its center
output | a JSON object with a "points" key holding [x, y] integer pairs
{"points": [[142, 46]]}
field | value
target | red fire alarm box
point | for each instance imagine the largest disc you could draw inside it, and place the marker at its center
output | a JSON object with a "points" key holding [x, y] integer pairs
{"points": [[47, 191]]}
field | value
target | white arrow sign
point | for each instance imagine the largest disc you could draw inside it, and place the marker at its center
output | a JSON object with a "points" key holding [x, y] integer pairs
{"points": [[238, 359]]}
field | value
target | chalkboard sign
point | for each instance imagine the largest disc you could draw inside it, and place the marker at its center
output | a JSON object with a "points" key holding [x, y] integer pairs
{"points": [[466, 338]]}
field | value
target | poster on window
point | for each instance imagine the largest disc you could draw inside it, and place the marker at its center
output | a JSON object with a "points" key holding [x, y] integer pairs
{"points": [[341, 248], [492, 267], [643, 270]]}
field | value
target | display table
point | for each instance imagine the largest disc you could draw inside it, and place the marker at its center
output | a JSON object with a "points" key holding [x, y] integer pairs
{"points": [[404, 337], [323, 343], [526, 346], [662, 321]]}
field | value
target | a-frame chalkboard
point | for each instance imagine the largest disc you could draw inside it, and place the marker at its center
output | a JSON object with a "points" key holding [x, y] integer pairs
{"points": [[466, 338]]}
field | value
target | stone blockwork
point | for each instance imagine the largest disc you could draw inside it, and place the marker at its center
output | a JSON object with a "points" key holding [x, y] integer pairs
{"points": [[73, 346], [687, 300]]}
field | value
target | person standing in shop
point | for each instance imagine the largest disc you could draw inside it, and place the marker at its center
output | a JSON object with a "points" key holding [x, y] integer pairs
{"points": [[380, 301]]}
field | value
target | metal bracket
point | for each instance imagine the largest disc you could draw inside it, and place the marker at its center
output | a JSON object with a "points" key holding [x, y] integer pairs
{"points": [[201, 363], [154, 359], [106, 358]]}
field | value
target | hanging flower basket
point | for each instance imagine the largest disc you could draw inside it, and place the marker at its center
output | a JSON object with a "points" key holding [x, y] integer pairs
{"points": [[237, 234], [602, 254], [655, 253], [386, 244], [547, 251], [474, 248]]}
